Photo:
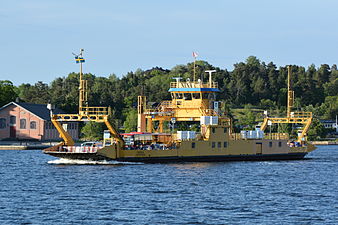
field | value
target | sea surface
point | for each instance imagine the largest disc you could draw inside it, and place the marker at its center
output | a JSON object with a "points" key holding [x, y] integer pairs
{"points": [[37, 189]]}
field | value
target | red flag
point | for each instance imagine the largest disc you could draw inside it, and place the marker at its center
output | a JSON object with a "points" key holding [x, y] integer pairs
{"points": [[194, 54]]}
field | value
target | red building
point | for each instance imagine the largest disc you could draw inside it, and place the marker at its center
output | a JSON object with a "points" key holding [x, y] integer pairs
{"points": [[27, 121]]}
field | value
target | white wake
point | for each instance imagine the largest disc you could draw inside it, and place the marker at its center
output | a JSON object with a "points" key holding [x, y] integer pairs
{"points": [[89, 162]]}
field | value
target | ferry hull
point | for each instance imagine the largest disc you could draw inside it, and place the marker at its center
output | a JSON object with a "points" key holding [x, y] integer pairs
{"points": [[80, 156], [219, 158], [291, 156]]}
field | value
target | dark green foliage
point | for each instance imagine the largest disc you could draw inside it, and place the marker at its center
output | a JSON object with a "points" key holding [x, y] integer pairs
{"points": [[7, 92], [252, 82], [316, 131], [37, 93], [92, 131]]}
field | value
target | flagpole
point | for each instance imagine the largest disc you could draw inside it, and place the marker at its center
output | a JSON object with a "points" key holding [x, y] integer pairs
{"points": [[194, 68], [81, 84]]}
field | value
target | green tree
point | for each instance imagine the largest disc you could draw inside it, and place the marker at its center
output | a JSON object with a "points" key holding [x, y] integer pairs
{"points": [[316, 131], [7, 92], [92, 131], [130, 124], [248, 119], [37, 93]]}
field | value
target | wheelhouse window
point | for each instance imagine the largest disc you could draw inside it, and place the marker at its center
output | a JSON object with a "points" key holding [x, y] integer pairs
{"points": [[22, 123], [2, 123], [196, 95], [187, 96], [179, 96], [33, 125]]}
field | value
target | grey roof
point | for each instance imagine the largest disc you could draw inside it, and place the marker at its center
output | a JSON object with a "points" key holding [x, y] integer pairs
{"points": [[39, 110], [327, 121]]}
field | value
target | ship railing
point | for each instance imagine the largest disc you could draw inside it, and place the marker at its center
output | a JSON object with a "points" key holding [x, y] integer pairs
{"points": [[164, 107], [93, 111], [77, 149], [301, 114], [165, 104], [191, 84], [276, 136], [267, 136]]}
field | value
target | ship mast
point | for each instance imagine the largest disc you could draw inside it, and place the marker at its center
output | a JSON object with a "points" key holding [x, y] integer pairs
{"points": [[194, 54], [291, 94], [86, 113], [83, 95]]}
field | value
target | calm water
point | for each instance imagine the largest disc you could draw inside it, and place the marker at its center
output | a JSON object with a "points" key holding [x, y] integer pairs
{"points": [[33, 191]]}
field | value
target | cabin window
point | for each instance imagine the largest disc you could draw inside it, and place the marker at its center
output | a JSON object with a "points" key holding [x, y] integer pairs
{"points": [[213, 144], [280, 144], [205, 95], [187, 96], [2, 123], [22, 123], [270, 144], [33, 125], [179, 96], [172, 96], [12, 120], [225, 144], [225, 129], [196, 95], [219, 144], [213, 130], [193, 145]]}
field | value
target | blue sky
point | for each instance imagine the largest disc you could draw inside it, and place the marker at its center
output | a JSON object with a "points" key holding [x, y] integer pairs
{"points": [[37, 37]]}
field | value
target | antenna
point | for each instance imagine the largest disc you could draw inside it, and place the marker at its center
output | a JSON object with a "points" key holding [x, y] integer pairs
{"points": [[177, 79], [210, 76]]}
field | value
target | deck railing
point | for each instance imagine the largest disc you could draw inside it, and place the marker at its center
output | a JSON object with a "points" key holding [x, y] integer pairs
{"points": [[191, 84], [91, 111], [301, 114], [267, 136]]}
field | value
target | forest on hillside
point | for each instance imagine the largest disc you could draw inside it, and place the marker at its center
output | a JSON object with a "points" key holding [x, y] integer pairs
{"points": [[251, 84]]}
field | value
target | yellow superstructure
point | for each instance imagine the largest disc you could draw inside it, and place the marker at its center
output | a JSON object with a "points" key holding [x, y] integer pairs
{"points": [[190, 100]]}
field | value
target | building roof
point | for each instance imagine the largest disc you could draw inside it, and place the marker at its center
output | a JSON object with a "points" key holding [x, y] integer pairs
{"points": [[39, 110], [327, 121]]}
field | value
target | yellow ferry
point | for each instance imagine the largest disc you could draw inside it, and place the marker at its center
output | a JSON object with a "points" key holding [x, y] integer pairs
{"points": [[193, 101]]}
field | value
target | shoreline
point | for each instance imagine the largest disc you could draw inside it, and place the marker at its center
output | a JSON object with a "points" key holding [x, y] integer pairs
{"points": [[23, 147], [324, 142]]}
